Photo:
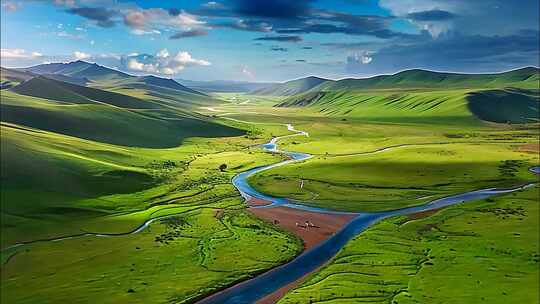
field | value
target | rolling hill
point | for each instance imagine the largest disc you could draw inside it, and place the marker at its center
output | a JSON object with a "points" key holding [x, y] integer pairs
{"points": [[71, 93], [413, 79], [88, 136], [291, 87], [410, 79], [424, 95]]}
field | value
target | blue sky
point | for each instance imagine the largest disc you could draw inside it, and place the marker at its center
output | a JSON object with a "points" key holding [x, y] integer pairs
{"points": [[273, 40]]}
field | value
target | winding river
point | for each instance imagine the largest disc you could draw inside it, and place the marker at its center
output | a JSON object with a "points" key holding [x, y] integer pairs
{"points": [[254, 289], [257, 288]]}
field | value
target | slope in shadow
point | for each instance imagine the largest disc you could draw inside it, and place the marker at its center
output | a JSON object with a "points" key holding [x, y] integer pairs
{"points": [[505, 106]]}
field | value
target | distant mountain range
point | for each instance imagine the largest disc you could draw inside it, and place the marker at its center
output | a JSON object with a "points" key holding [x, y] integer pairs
{"points": [[410, 79], [84, 73]]}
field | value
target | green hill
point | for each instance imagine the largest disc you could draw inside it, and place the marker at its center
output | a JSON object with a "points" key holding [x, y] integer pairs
{"points": [[291, 87], [103, 116], [425, 95], [414, 79], [11, 77], [62, 91], [166, 83], [505, 106]]}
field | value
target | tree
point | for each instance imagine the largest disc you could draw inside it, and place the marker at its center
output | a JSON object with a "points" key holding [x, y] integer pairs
{"points": [[222, 167]]}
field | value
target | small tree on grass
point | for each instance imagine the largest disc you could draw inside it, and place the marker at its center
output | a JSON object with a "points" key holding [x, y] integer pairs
{"points": [[222, 167]]}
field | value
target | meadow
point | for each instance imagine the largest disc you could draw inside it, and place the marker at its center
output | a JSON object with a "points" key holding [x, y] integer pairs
{"points": [[73, 168], [83, 167], [479, 252]]}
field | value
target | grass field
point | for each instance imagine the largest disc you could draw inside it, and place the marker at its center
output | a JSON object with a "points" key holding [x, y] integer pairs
{"points": [[106, 158], [399, 177], [480, 252], [177, 259], [56, 185]]}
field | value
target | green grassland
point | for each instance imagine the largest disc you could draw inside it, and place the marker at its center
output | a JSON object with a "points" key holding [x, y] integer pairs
{"points": [[400, 177], [437, 107], [87, 164], [106, 157], [437, 146], [480, 252], [178, 259]]}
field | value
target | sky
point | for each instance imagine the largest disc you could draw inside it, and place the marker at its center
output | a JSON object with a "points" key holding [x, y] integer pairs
{"points": [[273, 40]]}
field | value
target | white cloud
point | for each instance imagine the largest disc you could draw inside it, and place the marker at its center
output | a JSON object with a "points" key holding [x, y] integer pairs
{"points": [[163, 62], [134, 65], [163, 53], [360, 58], [81, 56], [403, 8], [19, 54], [153, 20], [185, 58]]}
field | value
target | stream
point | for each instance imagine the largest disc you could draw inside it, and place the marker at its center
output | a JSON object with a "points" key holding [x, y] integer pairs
{"points": [[257, 288]]}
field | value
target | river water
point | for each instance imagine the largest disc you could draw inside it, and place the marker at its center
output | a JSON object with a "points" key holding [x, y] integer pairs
{"points": [[257, 288]]}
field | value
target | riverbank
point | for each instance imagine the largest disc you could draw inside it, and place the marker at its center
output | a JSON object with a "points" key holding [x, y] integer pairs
{"points": [[311, 227]]}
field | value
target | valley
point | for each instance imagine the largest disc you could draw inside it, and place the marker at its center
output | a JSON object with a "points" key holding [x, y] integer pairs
{"points": [[89, 154]]}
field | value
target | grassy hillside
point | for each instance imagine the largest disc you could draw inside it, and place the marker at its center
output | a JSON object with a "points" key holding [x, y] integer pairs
{"points": [[435, 106], [166, 83], [510, 105], [10, 77], [411, 79], [109, 124], [291, 87], [438, 106]]}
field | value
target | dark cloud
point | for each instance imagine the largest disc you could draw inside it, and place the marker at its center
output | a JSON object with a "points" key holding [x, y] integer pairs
{"points": [[279, 49], [432, 15], [188, 34], [346, 29], [295, 17], [280, 38], [100, 15], [470, 53], [330, 22], [279, 9]]}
